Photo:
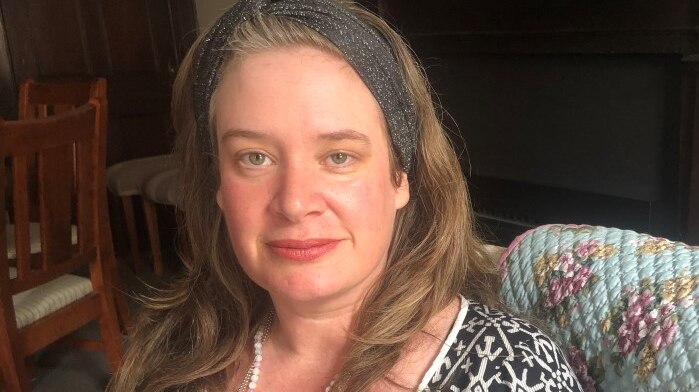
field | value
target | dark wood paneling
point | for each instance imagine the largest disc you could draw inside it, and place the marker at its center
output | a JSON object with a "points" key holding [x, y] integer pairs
{"points": [[460, 29], [45, 38], [690, 110], [130, 39], [8, 102], [66, 54], [93, 30], [19, 40], [147, 40], [599, 42], [481, 26], [184, 28], [460, 16]]}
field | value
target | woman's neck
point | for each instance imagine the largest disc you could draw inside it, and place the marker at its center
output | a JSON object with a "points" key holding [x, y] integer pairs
{"points": [[319, 331]]}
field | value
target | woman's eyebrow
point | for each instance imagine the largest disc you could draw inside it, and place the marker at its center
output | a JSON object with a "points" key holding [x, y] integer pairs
{"points": [[244, 134], [345, 134]]}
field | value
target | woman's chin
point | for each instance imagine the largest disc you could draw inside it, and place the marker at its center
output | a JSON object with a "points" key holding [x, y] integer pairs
{"points": [[304, 293], [313, 294]]}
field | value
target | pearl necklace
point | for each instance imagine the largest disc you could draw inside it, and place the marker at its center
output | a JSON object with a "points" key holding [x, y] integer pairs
{"points": [[252, 377]]}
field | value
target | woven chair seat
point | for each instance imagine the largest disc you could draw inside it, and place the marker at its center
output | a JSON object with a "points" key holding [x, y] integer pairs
{"points": [[31, 305], [34, 304]]}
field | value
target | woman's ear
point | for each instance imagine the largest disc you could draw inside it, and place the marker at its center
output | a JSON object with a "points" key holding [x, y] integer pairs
{"points": [[402, 191]]}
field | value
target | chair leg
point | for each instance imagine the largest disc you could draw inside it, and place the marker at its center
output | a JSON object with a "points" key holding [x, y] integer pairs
{"points": [[153, 235], [108, 321], [122, 306], [109, 329], [133, 235], [13, 370], [14, 377]]}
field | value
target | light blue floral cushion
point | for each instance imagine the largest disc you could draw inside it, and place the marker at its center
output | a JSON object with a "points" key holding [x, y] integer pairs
{"points": [[622, 304]]}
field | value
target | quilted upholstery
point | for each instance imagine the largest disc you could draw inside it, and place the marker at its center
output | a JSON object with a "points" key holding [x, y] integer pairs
{"points": [[31, 305], [622, 304]]}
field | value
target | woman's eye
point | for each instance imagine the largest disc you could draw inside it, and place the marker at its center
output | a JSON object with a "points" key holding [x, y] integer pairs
{"points": [[339, 158], [256, 159]]}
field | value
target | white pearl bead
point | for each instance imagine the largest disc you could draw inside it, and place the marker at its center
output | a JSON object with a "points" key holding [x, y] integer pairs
{"points": [[254, 372]]}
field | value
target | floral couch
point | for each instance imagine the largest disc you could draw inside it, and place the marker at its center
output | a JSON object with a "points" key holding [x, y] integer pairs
{"points": [[622, 304]]}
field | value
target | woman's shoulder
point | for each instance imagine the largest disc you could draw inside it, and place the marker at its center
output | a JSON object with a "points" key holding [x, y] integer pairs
{"points": [[495, 350]]}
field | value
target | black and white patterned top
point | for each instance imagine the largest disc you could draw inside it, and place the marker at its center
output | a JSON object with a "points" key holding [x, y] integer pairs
{"points": [[488, 350]]}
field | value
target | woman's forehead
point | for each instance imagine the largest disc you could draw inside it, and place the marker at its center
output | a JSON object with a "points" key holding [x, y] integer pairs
{"points": [[295, 86], [297, 60]]}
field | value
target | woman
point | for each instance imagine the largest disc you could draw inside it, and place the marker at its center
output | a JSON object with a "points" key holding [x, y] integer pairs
{"points": [[329, 238]]}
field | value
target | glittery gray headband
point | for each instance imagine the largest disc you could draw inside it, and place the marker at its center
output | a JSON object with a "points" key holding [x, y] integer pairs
{"points": [[364, 48]]}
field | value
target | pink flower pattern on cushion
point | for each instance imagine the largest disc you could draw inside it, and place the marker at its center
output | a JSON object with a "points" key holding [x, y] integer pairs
{"points": [[646, 322], [568, 274], [577, 361], [586, 248], [663, 335], [643, 319], [562, 288], [635, 321]]}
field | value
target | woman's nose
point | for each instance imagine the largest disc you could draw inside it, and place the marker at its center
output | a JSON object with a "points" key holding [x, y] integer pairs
{"points": [[298, 194]]}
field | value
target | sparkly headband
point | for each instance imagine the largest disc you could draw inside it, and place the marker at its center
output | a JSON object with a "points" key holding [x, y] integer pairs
{"points": [[364, 48]]}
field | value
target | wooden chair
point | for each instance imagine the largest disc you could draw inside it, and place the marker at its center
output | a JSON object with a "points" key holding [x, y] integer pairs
{"points": [[43, 99], [47, 98], [127, 180], [162, 188], [70, 154]]}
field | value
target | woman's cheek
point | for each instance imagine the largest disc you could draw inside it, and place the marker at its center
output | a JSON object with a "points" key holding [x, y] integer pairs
{"points": [[362, 202], [239, 202]]}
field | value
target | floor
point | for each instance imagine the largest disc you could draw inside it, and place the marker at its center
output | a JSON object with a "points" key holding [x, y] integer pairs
{"points": [[85, 371]]}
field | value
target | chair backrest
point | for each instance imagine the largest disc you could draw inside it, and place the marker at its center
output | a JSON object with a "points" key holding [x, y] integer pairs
{"points": [[43, 99], [67, 144], [51, 97]]}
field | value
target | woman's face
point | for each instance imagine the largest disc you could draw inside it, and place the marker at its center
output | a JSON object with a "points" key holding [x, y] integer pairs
{"points": [[306, 187]]}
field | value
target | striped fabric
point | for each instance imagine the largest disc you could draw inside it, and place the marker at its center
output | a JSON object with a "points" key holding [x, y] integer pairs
{"points": [[32, 305]]}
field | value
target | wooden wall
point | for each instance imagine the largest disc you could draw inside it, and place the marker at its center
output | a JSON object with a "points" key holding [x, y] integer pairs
{"points": [[469, 28], [136, 44]]}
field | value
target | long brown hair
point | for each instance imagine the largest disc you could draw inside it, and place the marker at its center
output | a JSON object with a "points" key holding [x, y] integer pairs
{"points": [[186, 337]]}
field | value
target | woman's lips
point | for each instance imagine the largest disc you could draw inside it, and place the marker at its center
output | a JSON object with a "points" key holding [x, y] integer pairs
{"points": [[302, 250]]}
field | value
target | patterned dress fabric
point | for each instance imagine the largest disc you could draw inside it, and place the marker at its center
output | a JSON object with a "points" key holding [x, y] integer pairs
{"points": [[622, 305], [495, 351]]}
